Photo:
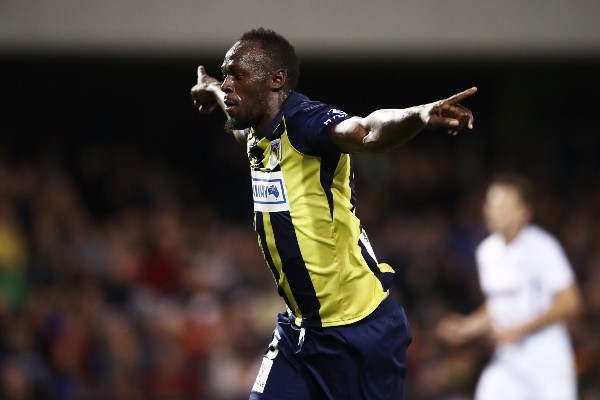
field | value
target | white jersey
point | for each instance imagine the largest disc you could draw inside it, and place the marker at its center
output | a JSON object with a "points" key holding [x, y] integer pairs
{"points": [[519, 280]]}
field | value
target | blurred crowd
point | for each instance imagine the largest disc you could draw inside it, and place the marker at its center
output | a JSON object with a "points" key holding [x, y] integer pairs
{"points": [[114, 286]]}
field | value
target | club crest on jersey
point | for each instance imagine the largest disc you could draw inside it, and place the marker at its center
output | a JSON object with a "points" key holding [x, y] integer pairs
{"points": [[274, 154], [268, 192]]}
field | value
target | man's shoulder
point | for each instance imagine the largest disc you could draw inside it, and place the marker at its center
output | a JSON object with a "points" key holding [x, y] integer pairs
{"points": [[308, 124], [302, 107], [298, 102], [488, 249], [533, 234], [492, 241]]}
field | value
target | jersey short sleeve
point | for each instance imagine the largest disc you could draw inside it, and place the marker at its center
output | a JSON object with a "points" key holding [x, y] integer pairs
{"points": [[310, 123], [557, 272]]}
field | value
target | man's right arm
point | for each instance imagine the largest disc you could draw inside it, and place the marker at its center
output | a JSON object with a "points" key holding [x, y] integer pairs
{"points": [[207, 95], [458, 329]]}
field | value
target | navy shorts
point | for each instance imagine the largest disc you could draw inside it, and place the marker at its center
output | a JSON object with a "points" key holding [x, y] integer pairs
{"points": [[365, 360]]}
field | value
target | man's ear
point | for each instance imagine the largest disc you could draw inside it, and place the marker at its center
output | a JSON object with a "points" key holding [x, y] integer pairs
{"points": [[278, 79]]}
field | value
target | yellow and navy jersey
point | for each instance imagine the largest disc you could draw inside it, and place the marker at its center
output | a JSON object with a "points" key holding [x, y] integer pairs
{"points": [[304, 215]]}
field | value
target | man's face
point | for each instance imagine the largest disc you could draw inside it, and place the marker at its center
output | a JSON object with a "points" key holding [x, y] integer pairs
{"points": [[503, 209], [245, 83]]}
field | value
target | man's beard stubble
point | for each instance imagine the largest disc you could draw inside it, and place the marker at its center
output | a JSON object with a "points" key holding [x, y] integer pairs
{"points": [[241, 123]]}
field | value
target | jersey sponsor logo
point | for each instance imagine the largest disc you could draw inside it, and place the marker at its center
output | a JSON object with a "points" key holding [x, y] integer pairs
{"points": [[333, 115], [268, 192], [311, 107]]}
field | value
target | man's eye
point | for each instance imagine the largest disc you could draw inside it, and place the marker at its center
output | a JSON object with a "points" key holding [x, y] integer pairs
{"points": [[236, 77]]}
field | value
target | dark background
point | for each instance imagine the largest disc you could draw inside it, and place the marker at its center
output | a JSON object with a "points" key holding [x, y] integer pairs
{"points": [[534, 115]]}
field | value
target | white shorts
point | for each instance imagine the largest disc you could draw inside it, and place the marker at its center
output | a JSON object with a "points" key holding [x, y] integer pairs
{"points": [[514, 374]]}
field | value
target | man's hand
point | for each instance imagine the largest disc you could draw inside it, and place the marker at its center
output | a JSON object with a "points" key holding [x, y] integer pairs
{"points": [[451, 329], [207, 94], [508, 336], [457, 329], [449, 113]]}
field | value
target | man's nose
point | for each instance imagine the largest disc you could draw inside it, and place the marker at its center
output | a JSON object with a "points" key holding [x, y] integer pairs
{"points": [[226, 86]]}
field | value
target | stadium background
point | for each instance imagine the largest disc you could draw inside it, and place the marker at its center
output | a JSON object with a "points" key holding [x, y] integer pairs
{"points": [[128, 265]]}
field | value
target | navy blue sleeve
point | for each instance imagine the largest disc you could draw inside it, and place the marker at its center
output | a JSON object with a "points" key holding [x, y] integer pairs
{"points": [[309, 126]]}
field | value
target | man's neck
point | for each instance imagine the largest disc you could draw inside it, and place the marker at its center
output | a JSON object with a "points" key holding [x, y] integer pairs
{"points": [[512, 233], [275, 103]]}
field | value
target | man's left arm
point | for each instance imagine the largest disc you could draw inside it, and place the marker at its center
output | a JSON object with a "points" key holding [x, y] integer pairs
{"points": [[566, 304], [387, 129]]}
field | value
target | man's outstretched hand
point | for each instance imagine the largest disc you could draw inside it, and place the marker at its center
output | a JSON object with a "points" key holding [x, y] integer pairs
{"points": [[206, 94], [449, 114]]}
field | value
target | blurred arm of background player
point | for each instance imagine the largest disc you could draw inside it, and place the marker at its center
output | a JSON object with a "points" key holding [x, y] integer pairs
{"points": [[566, 304], [380, 131], [458, 329]]}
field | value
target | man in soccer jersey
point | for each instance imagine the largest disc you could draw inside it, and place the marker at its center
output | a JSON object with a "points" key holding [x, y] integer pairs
{"points": [[343, 337], [530, 293]]}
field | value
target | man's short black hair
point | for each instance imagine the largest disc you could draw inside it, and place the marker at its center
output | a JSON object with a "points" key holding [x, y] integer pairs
{"points": [[519, 182], [280, 52]]}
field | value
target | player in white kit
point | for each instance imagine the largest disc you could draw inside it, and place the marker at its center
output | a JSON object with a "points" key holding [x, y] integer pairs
{"points": [[530, 292]]}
